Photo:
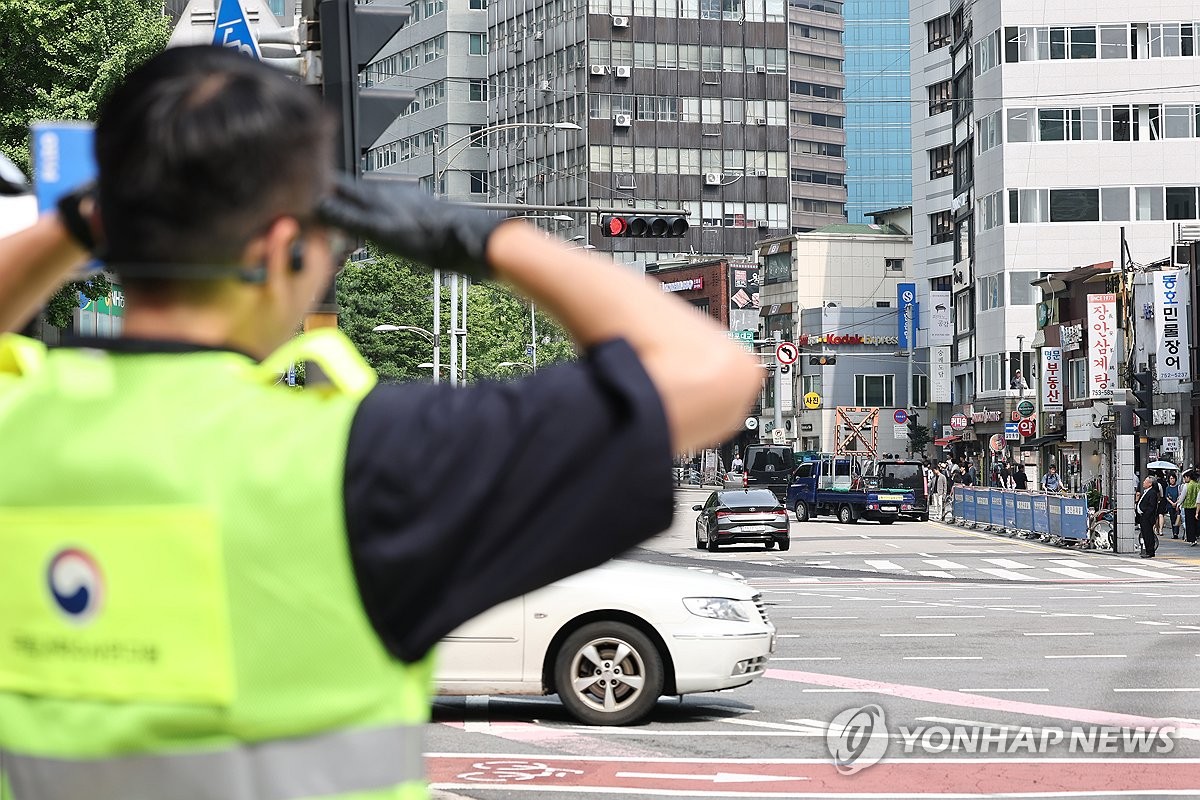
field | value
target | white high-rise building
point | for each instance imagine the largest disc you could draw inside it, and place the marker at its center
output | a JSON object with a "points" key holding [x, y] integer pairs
{"points": [[1041, 129]]}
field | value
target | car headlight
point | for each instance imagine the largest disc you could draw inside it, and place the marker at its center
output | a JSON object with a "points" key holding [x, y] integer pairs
{"points": [[716, 608]]}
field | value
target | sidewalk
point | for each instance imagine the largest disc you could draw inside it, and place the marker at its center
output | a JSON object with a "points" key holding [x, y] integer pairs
{"points": [[1176, 550]]}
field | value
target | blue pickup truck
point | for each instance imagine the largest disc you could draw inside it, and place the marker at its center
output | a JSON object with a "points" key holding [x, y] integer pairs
{"points": [[825, 484]]}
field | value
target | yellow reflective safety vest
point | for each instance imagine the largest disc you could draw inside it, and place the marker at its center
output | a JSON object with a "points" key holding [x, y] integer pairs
{"points": [[179, 617]]}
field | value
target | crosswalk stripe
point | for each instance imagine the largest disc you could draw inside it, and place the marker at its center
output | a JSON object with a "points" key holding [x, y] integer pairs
{"points": [[879, 564], [1145, 573], [934, 573], [1007, 574], [942, 563], [1072, 562], [1008, 563], [1073, 573]]}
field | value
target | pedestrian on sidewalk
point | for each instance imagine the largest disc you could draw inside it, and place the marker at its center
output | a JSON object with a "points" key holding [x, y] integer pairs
{"points": [[1171, 493], [1147, 507], [1050, 481], [1019, 478], [938, 487], [1187, 504]]}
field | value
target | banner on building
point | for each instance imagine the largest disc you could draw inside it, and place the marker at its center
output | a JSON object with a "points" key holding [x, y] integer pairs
{"points": [[1170, 320], [939, 374], [1102, 345], [941, 330], [909, 317], [1052, 381]]}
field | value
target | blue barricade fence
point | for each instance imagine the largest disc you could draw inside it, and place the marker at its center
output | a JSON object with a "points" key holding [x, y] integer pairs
{"points": [[1041, 514], [1024, 503], [1010, 511], [1054, 516], [983, 507], [1074, 518], [997, 507]]}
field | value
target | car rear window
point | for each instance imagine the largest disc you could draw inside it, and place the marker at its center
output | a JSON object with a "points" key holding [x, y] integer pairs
{"points": [[756, 498], [773, 459], [901, 476]]}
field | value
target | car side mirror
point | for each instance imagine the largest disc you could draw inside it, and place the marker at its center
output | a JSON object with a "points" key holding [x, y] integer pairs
{"points": [[697, 508]]}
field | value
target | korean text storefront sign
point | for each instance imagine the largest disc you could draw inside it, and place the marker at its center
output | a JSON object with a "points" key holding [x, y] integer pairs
{"points": [[685, 285], [1102, 345], [1170, 317], [1052, 386], [939, 374], [941, 330]]}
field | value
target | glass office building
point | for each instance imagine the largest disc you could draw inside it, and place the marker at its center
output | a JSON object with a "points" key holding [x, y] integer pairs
{"points": [[878, 118]]}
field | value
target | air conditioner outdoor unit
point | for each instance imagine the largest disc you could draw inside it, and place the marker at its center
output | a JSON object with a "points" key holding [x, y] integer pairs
{"points": [[760, 69], [544, 86], [622, 120], [760, 120], [620, 22], [599, 69], [712, 179], [624, 72], [760, 173], [762, 223]]}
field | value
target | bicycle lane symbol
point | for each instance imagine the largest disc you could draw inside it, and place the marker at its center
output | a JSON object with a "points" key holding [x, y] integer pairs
{"points": [[514, 771]]}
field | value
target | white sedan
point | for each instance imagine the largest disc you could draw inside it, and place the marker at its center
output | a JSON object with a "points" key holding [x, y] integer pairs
{"points": [[612, 640]]}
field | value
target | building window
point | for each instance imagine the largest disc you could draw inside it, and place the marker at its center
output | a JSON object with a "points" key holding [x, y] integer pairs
{"points": [[991, 291], [989, 132], [478, 182], [478, 4], [1022, 292], [920, 391], [941, 228], [811, 384], [989, 372], [478, 44], [479, 91], [777, 268], [1077, 385], [987, 52], [1074, 205], [941, 97], [893, 265], [1181, 202], [938, 32], [941, 162], [477, 137], [874, 390]]}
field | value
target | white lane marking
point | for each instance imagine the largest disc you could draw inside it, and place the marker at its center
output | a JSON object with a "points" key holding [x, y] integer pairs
{"points": [[816, 617], [881, 564], [950, 616], [1091, 655], [942, 563], [934, 573], [1148, 622], [1016, 605], [1002, 691], [1168, 633], [943, 658], [1070, 572], [1145, 573], [1073, 596], [1008, 563], [1007, 574], [1127, 605], [1063, 633], [917, 634], [1188, 614], [889, 544], [1072, 562], [1157, 689], [863, 536], [808, 658], [957, 599]]}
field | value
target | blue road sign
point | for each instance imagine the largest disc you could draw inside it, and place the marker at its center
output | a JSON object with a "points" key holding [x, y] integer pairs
{"points": [[62, 160], [909, 317], [233, 30]]}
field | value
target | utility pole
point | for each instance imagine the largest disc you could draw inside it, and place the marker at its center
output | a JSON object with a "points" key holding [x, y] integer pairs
{"points": [[437, 286]]}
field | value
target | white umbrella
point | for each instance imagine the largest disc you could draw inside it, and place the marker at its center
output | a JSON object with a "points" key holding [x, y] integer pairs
{"points": [[1161, 465]]}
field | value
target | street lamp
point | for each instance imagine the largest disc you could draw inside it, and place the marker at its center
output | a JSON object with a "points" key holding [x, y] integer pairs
{"points": [[428, 335], [439, 174], [527, 366]]}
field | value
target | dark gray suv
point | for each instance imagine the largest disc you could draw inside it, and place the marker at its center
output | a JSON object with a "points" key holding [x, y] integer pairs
{"points": [[769, 467]]}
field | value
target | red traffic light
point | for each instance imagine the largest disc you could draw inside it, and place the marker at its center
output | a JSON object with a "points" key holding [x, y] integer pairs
{"points": [[644, 227]]}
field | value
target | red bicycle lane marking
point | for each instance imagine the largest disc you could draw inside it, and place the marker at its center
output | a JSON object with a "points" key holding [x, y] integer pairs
{"points": [[803, 778]]}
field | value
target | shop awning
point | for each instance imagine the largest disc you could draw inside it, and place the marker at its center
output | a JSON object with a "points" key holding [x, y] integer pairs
{"points": [[945, 440], [1041, 440]]}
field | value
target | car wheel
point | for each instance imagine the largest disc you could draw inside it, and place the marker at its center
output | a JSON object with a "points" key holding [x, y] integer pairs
{"points": [[699, 541], [770, 545], [801, 511], [608, 673], [712, 543], [785, 544], [845, 513], [924, 518]]}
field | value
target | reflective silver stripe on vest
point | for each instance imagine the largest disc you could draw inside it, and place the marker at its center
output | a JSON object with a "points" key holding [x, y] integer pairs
{"points": [[325, 765]]}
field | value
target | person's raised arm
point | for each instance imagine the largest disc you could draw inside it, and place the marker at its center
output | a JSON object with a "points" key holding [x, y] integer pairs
{"points": [[705, 382], [34, 263]]}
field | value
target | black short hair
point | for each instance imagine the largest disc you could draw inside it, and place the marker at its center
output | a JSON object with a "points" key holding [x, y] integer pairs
{"points": [[200, 149]]}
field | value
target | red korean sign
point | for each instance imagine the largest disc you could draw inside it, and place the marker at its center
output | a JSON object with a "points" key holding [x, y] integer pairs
{"points": [[1102, 345], [1052, 388]]}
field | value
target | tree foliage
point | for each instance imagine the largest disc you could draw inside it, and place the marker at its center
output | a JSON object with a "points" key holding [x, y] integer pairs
{"points": [[389, 291], [59, 60], [918, 438]]}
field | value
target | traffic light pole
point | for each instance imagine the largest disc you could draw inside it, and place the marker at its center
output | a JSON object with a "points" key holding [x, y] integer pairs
{"points": [[629, 212], [1124, 485]]}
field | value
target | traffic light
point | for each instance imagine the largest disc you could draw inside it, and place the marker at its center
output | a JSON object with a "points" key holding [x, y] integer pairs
{"points": [[1143, 394], [349, 36], [643, 227], [822, 361]]}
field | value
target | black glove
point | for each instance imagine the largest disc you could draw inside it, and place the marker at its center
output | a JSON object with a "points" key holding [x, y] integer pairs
{"points": [[76, 210], [409, 223]]}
